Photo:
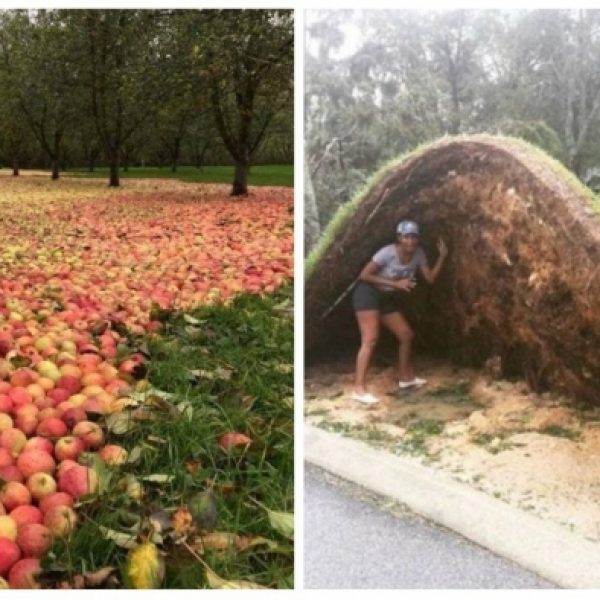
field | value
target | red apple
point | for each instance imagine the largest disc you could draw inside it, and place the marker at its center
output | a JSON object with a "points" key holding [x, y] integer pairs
{"points": [[69, 383], [112, 454], [64, 466], [55, 499], [78, 481], [90, 433], [52, 427], [68, 447], [5, 457], [39, 443], [13, 494], [26, 423], [23, 574], [11, 473], [13, 440], [9, 555], [34, 539], [26, 513], [73, 415], [35, 461]]}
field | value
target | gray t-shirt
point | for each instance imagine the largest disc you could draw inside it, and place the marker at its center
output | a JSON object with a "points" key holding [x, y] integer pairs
{"points": [[392, 268]]}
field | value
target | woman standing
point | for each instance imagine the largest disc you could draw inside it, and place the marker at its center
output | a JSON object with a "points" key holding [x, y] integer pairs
{"points": [[377, 299]]}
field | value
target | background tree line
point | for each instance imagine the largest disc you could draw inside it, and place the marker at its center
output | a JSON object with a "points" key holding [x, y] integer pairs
{"points": [[84, 88], [378, 83]]}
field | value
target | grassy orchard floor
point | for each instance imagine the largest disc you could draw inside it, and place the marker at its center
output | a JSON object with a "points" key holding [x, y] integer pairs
{"points": [[260, 175], [245, 354], [228, 367]]}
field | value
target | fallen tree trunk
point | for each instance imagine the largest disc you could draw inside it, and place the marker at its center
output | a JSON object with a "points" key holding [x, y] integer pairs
{"points": [[522, 280]]}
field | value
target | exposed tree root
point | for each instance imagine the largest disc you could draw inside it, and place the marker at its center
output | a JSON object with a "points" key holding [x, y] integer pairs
{"points": [[522, 281]]}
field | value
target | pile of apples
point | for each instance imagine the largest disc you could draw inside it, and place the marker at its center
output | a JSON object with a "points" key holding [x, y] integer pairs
{"points": [[68, 271], [45, 425], [113, 258]]}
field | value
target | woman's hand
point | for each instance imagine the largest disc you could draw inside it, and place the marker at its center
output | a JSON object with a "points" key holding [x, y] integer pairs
{"points": [[405, 284], [442, 248]]}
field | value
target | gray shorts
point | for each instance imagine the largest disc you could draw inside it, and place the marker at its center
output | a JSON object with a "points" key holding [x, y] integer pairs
{"points": [[366, 296]]}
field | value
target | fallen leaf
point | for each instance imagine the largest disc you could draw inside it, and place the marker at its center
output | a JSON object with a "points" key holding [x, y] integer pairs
{"points": [[224, 540], [134, 455], [158, 478], [192, 466], [182, 520], [145, 567], [186, 409], [282, 522], [121, 539], [204, 509], [233, 439], [144, 414], [120, 423], [98, 577], [191, 320], [218, 583]]}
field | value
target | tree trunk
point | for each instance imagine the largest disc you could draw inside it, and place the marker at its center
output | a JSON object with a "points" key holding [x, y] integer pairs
{"points": [[55, 155], [15, 166], [91, 165], [55, 168], [175, 155], [240, 179], [200, 156], [114, 172]]}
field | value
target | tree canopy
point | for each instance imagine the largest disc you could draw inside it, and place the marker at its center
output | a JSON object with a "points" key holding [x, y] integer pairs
{"points": [[379, 83], [149, 87]]}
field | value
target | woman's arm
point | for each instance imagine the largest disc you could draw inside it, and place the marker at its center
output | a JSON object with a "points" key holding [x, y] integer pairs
{"points": [[369, 274], [430, 275]]}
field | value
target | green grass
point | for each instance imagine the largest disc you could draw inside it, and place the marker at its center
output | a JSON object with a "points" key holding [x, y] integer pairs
{"points": [[559, 431], [278, 175], [242, 357], [417, 434], [533, 156], [457, 393]]}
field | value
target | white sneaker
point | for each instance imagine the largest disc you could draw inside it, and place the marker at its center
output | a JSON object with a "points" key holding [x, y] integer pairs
{"points": [[414, 382], [364, 398]]}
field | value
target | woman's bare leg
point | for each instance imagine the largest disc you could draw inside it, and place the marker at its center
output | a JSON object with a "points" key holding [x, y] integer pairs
{"points": [[368, 323], [399, 326]]}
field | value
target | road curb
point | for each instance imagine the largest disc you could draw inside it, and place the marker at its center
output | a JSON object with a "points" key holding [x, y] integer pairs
{"points": [[543, 547]]}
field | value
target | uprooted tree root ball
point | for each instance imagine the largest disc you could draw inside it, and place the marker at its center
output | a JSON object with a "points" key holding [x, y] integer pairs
{"points": [[521, 284]]}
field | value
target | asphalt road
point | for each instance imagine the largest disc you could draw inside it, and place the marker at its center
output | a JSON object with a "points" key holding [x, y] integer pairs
{"points": [[354, 540]]}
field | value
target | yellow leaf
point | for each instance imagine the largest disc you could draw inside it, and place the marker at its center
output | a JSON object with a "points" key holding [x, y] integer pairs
{"points": [[145, 567]]}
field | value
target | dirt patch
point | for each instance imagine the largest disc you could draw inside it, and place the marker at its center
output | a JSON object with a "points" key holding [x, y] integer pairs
{"points": [[539, 452]]}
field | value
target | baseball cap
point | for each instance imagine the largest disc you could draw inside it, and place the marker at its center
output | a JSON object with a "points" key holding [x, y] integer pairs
{"points": [[407, 228]]}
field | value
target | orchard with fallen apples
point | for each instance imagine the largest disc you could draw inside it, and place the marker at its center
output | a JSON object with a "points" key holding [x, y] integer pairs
{"points": [[75, 272]]}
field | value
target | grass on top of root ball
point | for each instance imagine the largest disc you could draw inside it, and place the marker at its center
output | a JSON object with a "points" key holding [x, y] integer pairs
{"points": [[210, 510], [282, 175]]}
